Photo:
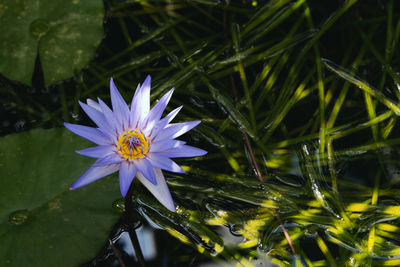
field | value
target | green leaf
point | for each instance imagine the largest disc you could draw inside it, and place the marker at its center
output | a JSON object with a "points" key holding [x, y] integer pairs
{"points": [[42, 223], [65, 33]]}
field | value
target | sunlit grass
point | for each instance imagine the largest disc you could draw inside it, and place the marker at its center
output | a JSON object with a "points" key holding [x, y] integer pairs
{"points": [[317, 95]]}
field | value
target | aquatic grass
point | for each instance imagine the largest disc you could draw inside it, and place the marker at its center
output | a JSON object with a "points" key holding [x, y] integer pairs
{"points": [[316, 94], [241, 121]]}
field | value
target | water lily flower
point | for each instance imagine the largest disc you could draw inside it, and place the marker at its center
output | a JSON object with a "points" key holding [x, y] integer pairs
{"points": [[134, 140]]}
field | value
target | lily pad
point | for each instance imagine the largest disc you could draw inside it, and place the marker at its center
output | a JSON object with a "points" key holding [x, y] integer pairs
{"points": [[64, 33], [42, 223]]}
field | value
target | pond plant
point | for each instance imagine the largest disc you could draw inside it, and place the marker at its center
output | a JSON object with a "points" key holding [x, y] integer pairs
{"points": [[298, 102], [135, 141]]}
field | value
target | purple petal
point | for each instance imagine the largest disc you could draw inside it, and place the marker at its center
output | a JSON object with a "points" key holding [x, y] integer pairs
{"points": [[110, 159], [119, 105], [175, 130], [145, 168], [162, 123], [92, 134], [163, 162], [165, 145], [171, 115], [136, 91], [97, 151], [145, 96], [155, 113], [127, 172], [160, 191], [134, 113], [183, 151], [93, 174], [110, 116], [93, 104], [97, 117], [140, 103]]}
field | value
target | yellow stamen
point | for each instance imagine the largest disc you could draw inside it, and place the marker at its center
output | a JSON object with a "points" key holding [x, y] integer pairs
{"points": [[132, 145]]}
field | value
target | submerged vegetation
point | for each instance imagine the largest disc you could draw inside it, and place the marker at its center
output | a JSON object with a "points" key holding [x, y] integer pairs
{"points": [[299, 103]]}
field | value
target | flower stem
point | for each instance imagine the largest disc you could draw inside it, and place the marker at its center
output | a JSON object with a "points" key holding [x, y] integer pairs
{"points": [[285, 233], [128, 216]]}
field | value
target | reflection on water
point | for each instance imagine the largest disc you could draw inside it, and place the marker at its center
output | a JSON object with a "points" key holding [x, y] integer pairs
{"points": [[147, 242]]}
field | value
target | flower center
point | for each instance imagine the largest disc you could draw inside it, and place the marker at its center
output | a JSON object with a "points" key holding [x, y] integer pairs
{"points": [[132, 145]]}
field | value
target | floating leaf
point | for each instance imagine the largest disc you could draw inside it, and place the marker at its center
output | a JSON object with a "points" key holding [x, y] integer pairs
{"points": [[41, 221], [65, 33]]}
